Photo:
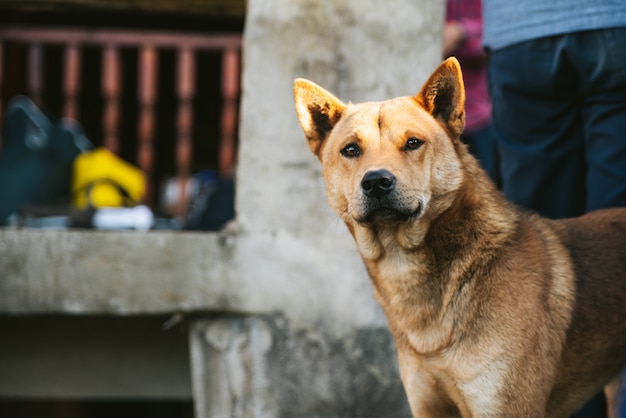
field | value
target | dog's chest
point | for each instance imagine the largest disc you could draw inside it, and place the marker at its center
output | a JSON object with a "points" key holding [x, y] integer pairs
{"points": [[401, 268], [398, 276], [412, 301]]}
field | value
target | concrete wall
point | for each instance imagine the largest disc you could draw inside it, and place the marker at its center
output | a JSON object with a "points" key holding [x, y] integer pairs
{"points": [[358, 49], [280, 312]]}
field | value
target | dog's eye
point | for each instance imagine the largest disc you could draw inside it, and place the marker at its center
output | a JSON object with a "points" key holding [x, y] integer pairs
{"points": [[351, 150], [412, 144]]}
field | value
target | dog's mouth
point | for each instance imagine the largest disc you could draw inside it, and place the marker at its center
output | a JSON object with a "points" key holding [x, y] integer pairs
{"points": [[379, 213]]}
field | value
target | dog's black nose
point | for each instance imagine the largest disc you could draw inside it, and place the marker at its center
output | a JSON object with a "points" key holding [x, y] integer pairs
{"points": [[377, 183]]}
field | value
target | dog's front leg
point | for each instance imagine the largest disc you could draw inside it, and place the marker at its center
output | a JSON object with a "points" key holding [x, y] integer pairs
{"points": [[427, 396]]}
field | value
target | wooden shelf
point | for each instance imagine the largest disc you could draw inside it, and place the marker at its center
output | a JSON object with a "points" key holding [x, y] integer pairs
{"points": [[224, 8]]}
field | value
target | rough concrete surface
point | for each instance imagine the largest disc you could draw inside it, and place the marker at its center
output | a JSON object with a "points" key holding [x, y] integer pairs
{"points": [[261, 367], [283, 322]]}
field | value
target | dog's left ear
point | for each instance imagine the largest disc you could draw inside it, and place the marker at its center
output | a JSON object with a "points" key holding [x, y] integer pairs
{"points": [[443, 96], [318, 111]]}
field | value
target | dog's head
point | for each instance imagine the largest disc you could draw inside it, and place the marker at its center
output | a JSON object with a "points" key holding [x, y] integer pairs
{"points": [[391, 162]]}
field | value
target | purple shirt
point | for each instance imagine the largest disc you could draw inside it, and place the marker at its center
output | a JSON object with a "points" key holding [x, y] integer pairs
{"points": [[473, 62]]}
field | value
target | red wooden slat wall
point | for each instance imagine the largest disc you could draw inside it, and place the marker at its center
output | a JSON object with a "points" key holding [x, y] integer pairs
{"points": [[148, 45]]}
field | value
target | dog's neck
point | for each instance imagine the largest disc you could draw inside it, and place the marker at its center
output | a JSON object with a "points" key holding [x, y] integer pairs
{"points": [[420, 269]]}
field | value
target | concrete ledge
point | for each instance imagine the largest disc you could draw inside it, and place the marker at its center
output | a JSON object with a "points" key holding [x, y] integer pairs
{"points": [[93, 272], [312, 280]]}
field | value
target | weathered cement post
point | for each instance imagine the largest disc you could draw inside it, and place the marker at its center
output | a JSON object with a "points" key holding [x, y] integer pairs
{"points": [[233, 380], [328, 353]]}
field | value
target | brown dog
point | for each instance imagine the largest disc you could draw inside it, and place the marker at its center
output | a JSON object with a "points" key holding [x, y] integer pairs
{"points": [[495, 312]]}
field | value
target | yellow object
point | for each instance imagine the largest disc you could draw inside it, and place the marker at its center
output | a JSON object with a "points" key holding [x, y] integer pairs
{"points": [[100, 178]]}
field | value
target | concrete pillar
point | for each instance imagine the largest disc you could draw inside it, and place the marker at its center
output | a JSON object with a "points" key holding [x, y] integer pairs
{"points": [[229, 368], [261, 366], [342, 367]]}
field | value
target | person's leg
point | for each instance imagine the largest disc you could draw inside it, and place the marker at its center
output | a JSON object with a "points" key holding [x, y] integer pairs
{"points": [[601, 61], [600, 57], [536, 120]]}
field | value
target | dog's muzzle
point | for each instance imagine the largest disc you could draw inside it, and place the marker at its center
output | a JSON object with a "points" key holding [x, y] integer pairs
{"points": [[381, 200]]}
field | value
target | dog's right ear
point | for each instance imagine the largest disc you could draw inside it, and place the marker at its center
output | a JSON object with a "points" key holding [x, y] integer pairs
{"points": [[318, 111]]}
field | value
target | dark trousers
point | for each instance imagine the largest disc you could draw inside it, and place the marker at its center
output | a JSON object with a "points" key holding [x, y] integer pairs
{"points": [[482, 144], [559, 116], [559, 107]]}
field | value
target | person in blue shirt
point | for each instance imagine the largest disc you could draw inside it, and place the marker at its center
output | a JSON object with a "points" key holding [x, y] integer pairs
{"points": [[557, 78]]}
